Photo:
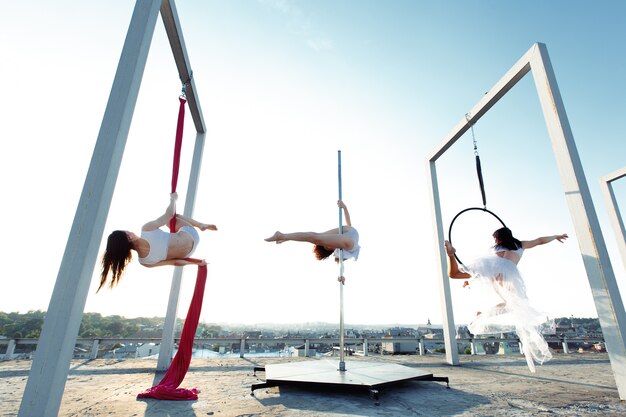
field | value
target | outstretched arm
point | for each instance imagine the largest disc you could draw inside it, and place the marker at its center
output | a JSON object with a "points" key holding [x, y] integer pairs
{"points": [[345, 212], [164, 218], [527, 244]]}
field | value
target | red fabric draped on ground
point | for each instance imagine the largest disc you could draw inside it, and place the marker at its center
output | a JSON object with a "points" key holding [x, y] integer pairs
{"points": [[168, 389]]}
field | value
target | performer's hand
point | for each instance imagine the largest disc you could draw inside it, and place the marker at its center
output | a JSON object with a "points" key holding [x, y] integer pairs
{"points": [[449, 248]]}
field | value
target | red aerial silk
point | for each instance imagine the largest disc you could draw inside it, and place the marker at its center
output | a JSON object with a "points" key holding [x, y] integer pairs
{"points": [[177, 147], [168, 389]]}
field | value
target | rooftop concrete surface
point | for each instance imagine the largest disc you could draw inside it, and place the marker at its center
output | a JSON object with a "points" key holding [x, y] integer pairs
{"points": [[492, 385]]}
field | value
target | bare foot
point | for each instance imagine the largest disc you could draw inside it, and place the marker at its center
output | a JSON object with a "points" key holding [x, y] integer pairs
{"points": [[208, 227], [449, 248], [276, 237]]}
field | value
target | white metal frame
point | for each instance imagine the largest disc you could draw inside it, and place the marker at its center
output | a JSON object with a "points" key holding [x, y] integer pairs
{"points": [[46, 381], [614, 214], [600, 273]]}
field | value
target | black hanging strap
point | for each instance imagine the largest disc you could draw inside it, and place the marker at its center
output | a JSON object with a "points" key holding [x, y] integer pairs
{"points": [[479, 171]]}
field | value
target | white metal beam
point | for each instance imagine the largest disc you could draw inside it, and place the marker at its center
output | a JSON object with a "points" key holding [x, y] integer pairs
{"points": [[449, 330], [614, 213], [177, 43], [606, 295], [48, 374]]}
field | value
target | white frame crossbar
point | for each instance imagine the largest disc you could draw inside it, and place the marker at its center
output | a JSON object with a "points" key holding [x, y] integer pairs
{"points": [[608, 302], [48, 375], [617, 223]]}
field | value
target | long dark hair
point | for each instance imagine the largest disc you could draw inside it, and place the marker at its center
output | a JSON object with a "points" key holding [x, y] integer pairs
{"points": [[506, 239], [321, 252], [116, 256]]}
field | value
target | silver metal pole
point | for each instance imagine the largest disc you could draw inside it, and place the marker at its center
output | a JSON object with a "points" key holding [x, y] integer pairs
{"points": [[342, 353]]}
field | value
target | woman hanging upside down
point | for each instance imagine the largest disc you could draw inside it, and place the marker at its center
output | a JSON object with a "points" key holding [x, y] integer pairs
{"points": [[498, 272], [155, 247], [329, 242]]}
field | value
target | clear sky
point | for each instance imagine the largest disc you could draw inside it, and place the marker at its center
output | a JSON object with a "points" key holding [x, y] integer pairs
{"points": [[283, 85]]}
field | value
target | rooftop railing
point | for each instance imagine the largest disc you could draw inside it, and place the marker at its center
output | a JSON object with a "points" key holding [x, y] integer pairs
{"points": [[93, 348]]}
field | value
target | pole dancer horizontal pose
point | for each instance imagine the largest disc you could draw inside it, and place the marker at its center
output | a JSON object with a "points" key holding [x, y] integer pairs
{"points": [[329, 242], [155, 247], [499, 273]]}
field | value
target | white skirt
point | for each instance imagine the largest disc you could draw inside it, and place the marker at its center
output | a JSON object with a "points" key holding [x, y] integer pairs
{"points": [[512, 312]]}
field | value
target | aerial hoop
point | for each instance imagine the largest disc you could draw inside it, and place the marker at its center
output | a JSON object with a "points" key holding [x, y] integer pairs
{"points": [[464, 211]]}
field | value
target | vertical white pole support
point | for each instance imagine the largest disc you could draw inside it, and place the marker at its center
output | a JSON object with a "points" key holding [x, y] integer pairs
{"points": [[242, 347], [342, 353], [473, 346], [449, 333], [306, 348], [617, 223], [421, 346], [565, 347], [166, 350], [48, 374], [94, 349], [10, 349], [366, 347], [604, 289]]}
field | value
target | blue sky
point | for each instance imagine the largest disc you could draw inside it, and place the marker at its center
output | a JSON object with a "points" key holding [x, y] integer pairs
{"points": [[283, 85]]}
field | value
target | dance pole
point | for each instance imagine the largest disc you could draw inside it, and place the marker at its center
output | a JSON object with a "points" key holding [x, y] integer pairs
{"points": [[342, 353]]}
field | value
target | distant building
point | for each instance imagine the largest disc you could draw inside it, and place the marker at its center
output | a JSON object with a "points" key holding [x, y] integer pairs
{"points": [[301, 351], [395, 346], [401, 332], [133, 350]]}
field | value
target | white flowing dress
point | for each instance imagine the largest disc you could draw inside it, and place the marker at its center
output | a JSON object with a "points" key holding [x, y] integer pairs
{"points": [[514, 313]]}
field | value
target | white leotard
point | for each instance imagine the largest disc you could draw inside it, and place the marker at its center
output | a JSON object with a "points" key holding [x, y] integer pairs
{"points": [[354, 253], [159, 243]]}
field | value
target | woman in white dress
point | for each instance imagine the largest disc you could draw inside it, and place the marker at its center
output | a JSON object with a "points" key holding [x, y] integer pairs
{"points": [[499, 273]]}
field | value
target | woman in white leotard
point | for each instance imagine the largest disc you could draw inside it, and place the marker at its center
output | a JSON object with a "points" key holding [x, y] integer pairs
{"points": [[155, 247], [499, 272], [329, 242]]}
